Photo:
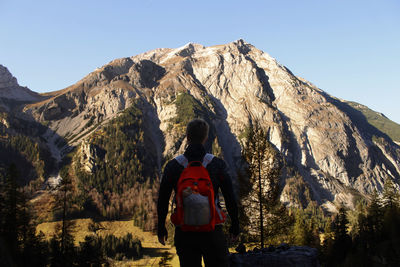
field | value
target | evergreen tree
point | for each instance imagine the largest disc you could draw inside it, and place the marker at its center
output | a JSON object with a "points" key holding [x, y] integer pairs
{"points": [[390, 195], [342, 243], [19, 243], [355, 215], [10, 213], [118, 176], [91, 252], [390, 239], [302, 231], [377, 241], [372, 227], [38, 253], [259, 185], [328, 240], [33, 248], [63, 243], [340, 226], [305, 229], [56, 256]]}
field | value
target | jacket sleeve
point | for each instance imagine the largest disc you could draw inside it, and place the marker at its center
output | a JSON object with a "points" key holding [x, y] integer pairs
{"points": [[164, 195], [229, 197]]}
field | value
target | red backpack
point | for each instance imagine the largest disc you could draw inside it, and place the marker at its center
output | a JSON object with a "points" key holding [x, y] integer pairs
{"points": [[196, 208]]}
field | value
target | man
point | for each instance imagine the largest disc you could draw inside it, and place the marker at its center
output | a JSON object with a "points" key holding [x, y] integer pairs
{"points": [[192, 246]]}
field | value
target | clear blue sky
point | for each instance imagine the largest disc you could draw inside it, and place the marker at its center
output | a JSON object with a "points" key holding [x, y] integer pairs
{"points": [[350, 49]]}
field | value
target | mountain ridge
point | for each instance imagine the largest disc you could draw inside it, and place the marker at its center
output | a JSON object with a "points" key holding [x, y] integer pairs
{"points": [[10, 89], [323, 138]]}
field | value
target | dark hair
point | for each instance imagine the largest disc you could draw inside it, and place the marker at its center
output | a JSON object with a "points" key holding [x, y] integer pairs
{"points": [[197, 131]]}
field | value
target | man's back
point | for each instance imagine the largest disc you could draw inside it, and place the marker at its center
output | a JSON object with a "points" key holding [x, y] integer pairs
{"points": [[211, 245], [191, 246], [218, 173]]}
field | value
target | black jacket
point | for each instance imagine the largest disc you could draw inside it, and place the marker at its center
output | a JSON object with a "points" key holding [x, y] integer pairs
{"points": [[219, 177]]}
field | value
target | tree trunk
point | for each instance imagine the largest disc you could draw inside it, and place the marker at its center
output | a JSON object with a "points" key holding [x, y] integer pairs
{"points": [[63, 230], [260, 201]]}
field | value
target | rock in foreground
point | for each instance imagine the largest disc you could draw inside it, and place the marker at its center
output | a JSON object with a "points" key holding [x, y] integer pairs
{"points": [[282, 255]]}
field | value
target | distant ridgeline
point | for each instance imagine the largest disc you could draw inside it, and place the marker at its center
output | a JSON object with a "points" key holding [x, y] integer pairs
{"points": [[379, 121]]}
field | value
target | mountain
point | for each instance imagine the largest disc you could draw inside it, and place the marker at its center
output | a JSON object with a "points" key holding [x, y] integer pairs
{"points": [[12, 91], [20, 136], [380, 121], [128, 118]]}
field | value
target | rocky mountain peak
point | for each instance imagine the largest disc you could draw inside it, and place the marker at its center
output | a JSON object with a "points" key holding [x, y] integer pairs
{"points": [[188, 49], [242, 46], [323, 139], [6, 78], [10, 89]]}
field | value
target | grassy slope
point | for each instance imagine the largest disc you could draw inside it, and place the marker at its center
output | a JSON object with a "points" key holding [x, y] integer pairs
{"points": [[379, 121], [152, 250]]}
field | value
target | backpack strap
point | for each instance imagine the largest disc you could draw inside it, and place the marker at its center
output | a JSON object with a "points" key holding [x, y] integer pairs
{"points": [[207, 159], [182, 160]]}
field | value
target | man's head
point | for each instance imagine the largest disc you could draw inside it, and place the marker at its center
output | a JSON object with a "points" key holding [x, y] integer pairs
{"points": [[197, 131]]}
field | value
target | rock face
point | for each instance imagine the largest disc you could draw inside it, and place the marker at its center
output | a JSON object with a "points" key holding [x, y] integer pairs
{"points": [[277, 257], [6, 78], [10, 89], [337, 153], [88, 155]]}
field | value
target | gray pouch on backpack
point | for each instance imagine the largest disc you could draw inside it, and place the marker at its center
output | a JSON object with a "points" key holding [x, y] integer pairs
{"points": [[196, 209]]}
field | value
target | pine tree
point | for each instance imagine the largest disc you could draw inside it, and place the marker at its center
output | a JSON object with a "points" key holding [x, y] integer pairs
{"points": [[259, 185], [300, 230], [340, 225], [390, 195], [342, 242], [63, 244], [17, 229], [390, 238], [56, 257], [305, 230], [39, 253], [91, 252], [374, 220], [10, 223], [33, 248]]}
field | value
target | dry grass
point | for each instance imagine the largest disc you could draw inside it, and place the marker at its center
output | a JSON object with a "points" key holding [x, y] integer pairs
{"points": [[152, 250], [122, 84], [52, 95]]}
